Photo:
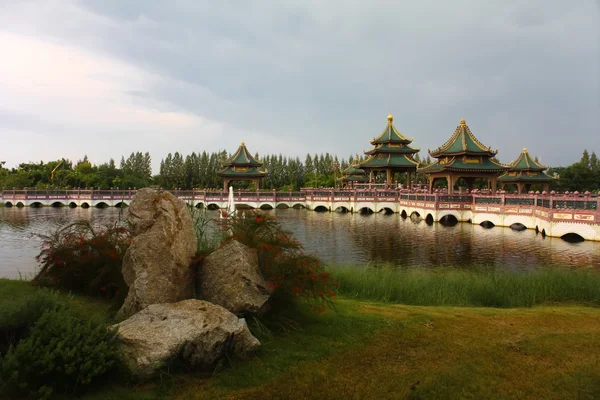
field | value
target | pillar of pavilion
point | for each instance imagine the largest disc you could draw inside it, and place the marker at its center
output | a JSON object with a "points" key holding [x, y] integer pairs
{"points": [[463, 156], [525, 171], [391, 153], [241, 167]]}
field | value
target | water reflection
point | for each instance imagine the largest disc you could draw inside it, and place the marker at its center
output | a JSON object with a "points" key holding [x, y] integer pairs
{"points": [[340, 238]]}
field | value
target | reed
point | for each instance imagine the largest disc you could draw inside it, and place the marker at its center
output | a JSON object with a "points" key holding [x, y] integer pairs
{"points": [[482, 287]]}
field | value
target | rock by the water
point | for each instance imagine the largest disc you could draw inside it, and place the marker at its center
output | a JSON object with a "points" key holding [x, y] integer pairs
{"points": [[193, 332], [156, 264], [230, 277]]}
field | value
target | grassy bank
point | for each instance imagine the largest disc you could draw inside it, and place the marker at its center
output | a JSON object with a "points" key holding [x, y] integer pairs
{"points": [[369, 350], [483, 287]]}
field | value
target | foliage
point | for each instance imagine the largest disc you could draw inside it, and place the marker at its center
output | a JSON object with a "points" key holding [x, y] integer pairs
{"points": [[582, 175], [483, 287], [207, 234], [288, 270], [62, 354], [18, 317], [85, 259]]}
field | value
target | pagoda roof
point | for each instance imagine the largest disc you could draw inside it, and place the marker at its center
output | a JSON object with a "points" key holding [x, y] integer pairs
{"points": [[354, 178], [401, 148], [237, 171], [462, 142], [524, 176], [526, 163], [390, 160], [390, 134], [354, 169], [473, 164], [242, 157]]}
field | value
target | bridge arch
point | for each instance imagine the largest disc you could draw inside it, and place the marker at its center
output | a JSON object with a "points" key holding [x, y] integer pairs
{"points": [[298, 205], [282, 206], [85, 205], [386, 210], [572, 238], [527, 221], [36, 204], [403, 214], [57, 204], [415, 213], [429, 219], [121, 204], [449, 219], [478, 218], [8, 204], [341, 204], [365, 210], [212, 206], [101, 204], [446, 213], [587, 232], [265, 206], [321, 208], [487, 224], [20, 204], [72, 204]]}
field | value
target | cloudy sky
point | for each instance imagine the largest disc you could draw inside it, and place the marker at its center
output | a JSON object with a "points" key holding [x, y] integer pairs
{"points": [[108, 77]]}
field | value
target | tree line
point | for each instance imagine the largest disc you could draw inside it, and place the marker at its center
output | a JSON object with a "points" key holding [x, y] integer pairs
{"points": [[199, 170]]}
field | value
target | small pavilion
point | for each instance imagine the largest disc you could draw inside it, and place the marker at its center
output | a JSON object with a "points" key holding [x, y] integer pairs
{"points": [[463, 156], [353, 174], [525, 171], [242, 167], [391, 153]]}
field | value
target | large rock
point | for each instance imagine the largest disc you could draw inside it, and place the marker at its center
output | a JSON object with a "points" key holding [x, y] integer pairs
{"points": [[193, 333], [156, 265], [230, 277]]}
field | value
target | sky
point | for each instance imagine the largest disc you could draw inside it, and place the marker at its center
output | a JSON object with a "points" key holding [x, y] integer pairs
{"points": [[105, 78]]}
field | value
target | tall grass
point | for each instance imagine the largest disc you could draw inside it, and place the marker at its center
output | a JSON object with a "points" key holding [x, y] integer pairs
{"points": [[483, 287]]}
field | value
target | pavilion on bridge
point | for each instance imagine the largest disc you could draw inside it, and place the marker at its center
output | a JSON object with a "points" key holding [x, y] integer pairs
{"points": [[391, 153], [353, 174], [463, 156], [525, 171], [242, 167]]}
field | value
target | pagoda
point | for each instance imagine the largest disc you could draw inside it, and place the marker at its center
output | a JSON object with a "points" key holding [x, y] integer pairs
{"points": [[242, 167], [391, 153], [463, 156], [353, 174], [525, 171]]}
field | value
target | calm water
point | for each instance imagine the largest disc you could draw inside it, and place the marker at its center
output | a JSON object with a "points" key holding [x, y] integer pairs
{"points": [[337, 238]]}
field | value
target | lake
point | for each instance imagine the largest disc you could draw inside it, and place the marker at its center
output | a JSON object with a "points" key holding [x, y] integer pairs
{"points": [[339, 238]]}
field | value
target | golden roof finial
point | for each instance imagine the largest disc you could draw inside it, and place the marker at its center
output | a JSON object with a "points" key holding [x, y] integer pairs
{"points": [[390, 118], [524, 149], [242, 144], [463, 122]]}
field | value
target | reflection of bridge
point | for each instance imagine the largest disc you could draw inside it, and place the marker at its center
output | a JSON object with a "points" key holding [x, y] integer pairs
{"points": [[553, 215]]}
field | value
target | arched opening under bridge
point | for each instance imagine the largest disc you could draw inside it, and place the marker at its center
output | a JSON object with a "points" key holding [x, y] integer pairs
{"points": [[517, 226], [20, 204], [72, 204], [57, 204], [85, 205], [282, 206], [8, 204], [36, 204], [403, 214], [266, 207], [449, 220], [487, 224], [572, 237], [342, 209], [365, 211], [121, 204], [101, 205], [212, 207], [429, 219], [387, 211], [321, 209]]}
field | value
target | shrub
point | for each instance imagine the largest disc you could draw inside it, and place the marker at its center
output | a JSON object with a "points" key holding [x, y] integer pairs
{"points": [[62, 354], [287, 269], [17, 318], [86, 259]]}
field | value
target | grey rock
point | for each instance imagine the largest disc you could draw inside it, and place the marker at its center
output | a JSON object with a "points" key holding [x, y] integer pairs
{"points": [[230, 277], [156, 265], [192, 332]]}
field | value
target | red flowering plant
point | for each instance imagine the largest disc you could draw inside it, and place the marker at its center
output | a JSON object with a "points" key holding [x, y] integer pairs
{"points": [[286, 268], [84, 258]]}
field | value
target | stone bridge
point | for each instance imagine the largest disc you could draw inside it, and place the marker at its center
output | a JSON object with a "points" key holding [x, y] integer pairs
{"points": [[551, 214]]}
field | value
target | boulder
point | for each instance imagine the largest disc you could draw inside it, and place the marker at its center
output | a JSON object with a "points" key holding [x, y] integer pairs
{"points": [[192, 333], [230, 277], [156, 264]]}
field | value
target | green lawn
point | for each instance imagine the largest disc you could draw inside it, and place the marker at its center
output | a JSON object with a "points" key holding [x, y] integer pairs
{"points": [[369, 350]]}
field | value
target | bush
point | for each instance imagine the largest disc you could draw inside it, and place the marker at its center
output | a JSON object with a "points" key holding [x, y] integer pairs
{"points": [[62, 354], [17, 318], [287, 269], [85, 259]]}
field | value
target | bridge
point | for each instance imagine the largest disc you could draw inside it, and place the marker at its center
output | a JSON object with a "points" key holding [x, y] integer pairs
{"points": [[553, 214]]}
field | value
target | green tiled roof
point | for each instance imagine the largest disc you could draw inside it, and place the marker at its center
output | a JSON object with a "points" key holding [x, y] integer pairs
{"points": [[462, 142], [354, 170], [242, 157], [526, 163], [390, 160], [390, 134], [523, 176], [474, 164], [239, 171], [354, 178], [392, 148]]}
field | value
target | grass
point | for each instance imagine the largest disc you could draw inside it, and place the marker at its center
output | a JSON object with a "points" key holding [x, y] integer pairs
{"points": [[370, 350], [483, 287]]}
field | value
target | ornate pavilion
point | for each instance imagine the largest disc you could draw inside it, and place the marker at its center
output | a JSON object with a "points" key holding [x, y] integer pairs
{"points": [[463, 156], [391, 153], [525, 171], [242, 167], [353, 174]]}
